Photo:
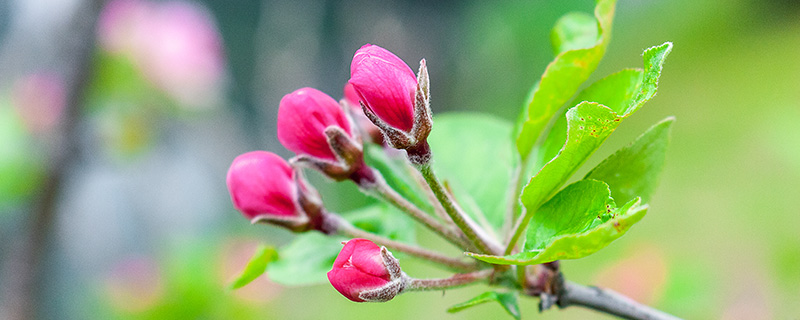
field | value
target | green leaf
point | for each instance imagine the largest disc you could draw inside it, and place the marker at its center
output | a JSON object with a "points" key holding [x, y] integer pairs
{"points": [[472, 153], [519, 123], [256, 266], [616, 91], [654, 58], [634, 170], [622, 92], [565, 74], [573, 31], [508, 300], [588, 126], [383, 220], [576, 246], [570, 211], [307, 259], [580, 233]]}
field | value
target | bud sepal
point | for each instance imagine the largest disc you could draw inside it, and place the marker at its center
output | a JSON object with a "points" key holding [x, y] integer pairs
{"points": [[350, 159]]}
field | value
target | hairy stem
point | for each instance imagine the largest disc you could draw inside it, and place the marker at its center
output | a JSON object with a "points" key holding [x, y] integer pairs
{"points": [[608, 301], [437, 207], [344, 228], [457, 280], [472, 231], [385, 192]]}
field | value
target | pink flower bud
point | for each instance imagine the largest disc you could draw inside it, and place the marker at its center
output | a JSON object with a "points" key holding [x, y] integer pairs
{"points": [[351, 96], [385, 84], [303, 117], [361, 267], [261, 186]]}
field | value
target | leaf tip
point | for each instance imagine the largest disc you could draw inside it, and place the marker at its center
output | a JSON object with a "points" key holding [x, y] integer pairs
{"points": [[666, 122]]}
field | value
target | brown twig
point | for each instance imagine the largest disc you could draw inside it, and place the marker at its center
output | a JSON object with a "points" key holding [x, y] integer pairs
{"points": [[547, 282], [608, 301]]}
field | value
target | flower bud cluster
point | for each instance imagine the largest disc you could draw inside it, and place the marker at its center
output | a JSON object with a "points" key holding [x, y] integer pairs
{"points": [[384, 101], [383, 95]]}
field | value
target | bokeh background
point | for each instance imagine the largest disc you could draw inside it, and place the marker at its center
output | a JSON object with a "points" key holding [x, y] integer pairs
{"points": [[115, 138]]}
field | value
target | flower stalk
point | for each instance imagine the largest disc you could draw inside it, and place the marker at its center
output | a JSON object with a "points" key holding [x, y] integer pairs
{"points": [[383, 191], [437, 207], [457, 280], [335, 224], [475, 235]]}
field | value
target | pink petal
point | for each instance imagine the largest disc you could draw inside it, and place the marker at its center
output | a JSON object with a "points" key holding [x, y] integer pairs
{"points": [[302, 118], [260, 183]]}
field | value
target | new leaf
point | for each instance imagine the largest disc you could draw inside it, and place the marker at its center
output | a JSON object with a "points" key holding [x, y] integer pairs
{"points": [[256, 266], [508, 300], [567, 72], [623, 92], [587, 126], [581, 219]]}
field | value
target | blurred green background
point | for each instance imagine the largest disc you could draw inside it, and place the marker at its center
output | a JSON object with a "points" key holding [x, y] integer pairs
{"points": [[142, 226]]}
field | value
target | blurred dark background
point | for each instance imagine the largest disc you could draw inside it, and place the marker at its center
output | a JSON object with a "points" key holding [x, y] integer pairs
{"points": [[115, 140]]}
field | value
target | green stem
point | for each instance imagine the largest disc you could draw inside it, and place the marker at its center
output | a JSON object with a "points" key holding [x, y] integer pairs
{"points": [[437, 207], [522, 223], [518, 229], [522, 274], [457, 280], [514, 202], [385, 192], [480, 241], [346, 229]]}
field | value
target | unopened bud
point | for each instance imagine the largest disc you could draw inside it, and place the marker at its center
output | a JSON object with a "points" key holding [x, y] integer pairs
{"points": [[303, 116], [315, 126], [264, 188], [364, 272], [394, 99]]}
